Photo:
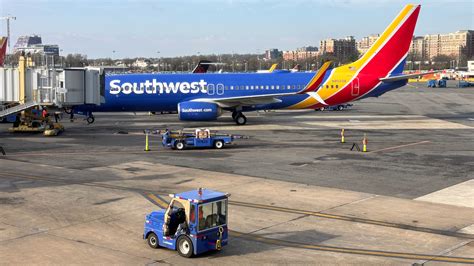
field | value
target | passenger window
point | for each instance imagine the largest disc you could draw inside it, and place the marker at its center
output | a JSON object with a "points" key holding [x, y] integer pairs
{"points": [[246, 87], [242, 87], [266, 87], [327, 86], [332, 86], [277, 87], [293, 86], [337, 86], [273, 87], [261, 87], [226, 88], [288, 87]]}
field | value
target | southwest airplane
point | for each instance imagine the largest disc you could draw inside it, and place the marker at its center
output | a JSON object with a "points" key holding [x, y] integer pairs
{"points": [[203, 97]]}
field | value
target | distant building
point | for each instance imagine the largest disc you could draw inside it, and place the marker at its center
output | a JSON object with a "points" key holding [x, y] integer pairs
{"points": [[366, 42], [33, 45], [272, 54], [26, 41], [457, 44], [342, 48], [417, 49], [302, 53], [141, 63]]}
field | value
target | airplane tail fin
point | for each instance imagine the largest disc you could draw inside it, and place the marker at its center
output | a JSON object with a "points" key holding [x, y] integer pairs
{"points": [[202, 66], [3, 49], [387, 55], [318, 78], [272, 68]]}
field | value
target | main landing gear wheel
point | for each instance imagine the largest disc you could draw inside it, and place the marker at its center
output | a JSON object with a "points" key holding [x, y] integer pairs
{"points": [[185, 247], [240, 119], [90, 120], [152, 240]]}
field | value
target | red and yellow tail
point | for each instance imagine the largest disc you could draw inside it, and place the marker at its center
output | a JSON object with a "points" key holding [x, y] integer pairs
{"points": [[385, 57], [3, 49]]}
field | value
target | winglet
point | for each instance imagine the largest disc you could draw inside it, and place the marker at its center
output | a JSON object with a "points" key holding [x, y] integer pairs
{"points": [[274, 66], [318, 78]]}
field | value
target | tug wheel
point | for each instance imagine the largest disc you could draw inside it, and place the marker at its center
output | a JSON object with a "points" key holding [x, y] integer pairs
{"points": [[152, 240], [218, 144], [185, 246], [180, 145]]}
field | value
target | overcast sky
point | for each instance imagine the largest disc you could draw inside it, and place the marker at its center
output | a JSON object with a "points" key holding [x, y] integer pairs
{"points": [[152, 28]]}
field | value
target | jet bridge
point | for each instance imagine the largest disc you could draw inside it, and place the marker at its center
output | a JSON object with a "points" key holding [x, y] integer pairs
{"points": [[26, 90], [27, 87]]}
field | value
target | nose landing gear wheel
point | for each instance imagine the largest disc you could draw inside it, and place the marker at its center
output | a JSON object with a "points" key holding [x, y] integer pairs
{"points": [[240, 119]]}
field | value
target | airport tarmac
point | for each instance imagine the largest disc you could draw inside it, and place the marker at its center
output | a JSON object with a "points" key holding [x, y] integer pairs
{"points": [[298, 195]]}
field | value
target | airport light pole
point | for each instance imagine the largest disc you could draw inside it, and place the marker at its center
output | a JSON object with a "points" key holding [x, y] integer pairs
{"points": [[8, 18], [158, 53]]}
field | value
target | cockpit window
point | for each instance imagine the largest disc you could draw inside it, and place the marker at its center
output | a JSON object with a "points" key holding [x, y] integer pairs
{"points": [[212, 214]]}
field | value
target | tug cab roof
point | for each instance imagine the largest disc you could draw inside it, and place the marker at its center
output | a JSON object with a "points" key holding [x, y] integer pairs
{"points": [[200, 195]]}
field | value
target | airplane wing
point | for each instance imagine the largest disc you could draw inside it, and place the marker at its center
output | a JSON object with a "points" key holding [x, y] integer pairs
{"points": [[409, 76], [249, 100]]}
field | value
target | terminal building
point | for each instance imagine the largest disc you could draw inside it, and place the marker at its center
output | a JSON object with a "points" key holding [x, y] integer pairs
{"points": [[33, 45]]}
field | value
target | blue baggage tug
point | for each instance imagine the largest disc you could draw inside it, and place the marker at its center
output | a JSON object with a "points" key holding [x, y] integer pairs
{"points": [[194, 222], [200, 138]]}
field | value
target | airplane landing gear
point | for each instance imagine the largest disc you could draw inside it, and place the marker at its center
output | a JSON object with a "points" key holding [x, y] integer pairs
{"points": [[90, 119], [239, 118]]}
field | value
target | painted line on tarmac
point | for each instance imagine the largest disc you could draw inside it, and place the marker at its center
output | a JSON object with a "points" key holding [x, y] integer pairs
{"points": [[278, 242], [379, 253], [145, 192], [352, 219], [400, 146], [157, 200]]}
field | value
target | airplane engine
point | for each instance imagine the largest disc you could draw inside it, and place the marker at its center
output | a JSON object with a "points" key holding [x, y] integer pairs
{"points": [[198, 111]]}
